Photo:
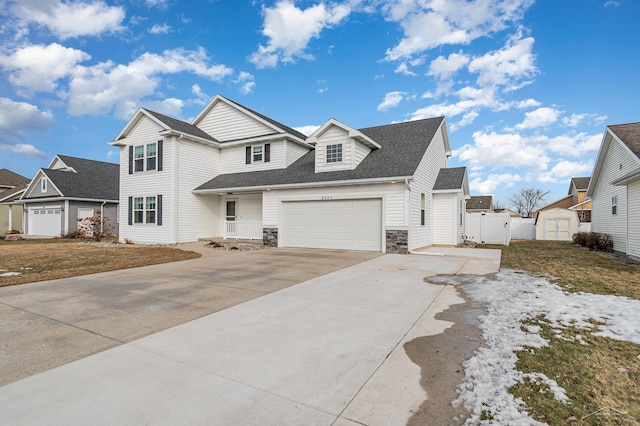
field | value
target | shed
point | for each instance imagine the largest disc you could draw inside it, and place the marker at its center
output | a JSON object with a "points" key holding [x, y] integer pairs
{"points": [[556, 224]]}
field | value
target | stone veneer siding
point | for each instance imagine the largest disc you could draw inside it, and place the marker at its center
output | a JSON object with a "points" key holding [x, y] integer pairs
{"points": [[270, 237], [397, 241]]}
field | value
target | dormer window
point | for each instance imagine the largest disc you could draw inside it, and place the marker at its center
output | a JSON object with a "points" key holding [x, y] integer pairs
{"points": [[258, 153], [43, 185], [334, 153]]}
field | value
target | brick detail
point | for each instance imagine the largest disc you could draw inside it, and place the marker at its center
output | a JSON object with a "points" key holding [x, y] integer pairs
{"points": [[270, 237], [397, 241]]}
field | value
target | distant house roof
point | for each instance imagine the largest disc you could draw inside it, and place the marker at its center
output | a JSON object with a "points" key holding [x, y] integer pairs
{"points": [[629, 134], [87, 179], [581, 183], [402, 147], [480, 202], [451, 178], [508, 211], [11, 184]]}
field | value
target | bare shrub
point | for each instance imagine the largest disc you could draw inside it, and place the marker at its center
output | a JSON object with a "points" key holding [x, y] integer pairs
{"points": [[96, 227]]}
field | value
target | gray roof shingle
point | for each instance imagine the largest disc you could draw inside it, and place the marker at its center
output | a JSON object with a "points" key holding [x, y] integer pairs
{"points": [[629, 134], [402, 148], [581, 183], [96, 180], [479, 202], [181, 126], [450, 178], [11, 183]]}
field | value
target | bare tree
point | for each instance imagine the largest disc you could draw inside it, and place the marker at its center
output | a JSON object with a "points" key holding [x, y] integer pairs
{"points": [[527, 200]]}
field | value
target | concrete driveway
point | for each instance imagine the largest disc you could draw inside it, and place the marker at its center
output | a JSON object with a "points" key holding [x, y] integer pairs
{"points": [[326, 351]]}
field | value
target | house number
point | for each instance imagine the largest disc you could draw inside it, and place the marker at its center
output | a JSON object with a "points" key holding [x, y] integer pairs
{"points": [[327, 197]]}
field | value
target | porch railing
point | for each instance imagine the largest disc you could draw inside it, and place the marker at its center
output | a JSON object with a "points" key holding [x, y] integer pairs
{"points": [[243, 229]]}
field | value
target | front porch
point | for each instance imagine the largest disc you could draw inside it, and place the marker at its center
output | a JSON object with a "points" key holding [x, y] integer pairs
{"points": [[242, 230]]}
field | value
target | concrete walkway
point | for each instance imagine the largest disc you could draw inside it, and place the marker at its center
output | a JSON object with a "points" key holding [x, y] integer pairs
{"points": [[326, 351]]}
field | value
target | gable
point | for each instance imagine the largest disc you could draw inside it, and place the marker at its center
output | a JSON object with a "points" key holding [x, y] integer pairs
{"points": [[35, 188], [227, 123]]}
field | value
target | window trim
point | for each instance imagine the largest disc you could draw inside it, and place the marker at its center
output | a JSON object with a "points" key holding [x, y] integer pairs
{"points": [[334, 153], [43, 185], [614, 205], [257, 152], [264, 154], [141, 212], [423, 203], [145, 157]]}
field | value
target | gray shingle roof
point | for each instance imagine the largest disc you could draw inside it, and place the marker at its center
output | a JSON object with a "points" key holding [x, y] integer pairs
{"points": [[479, 202], [402, 148], [11, 183], [629, 134], [581, 183], [93, 179], [181, 126], [451, 178]]}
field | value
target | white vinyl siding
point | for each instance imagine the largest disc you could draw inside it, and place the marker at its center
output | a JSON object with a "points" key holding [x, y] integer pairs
{"points": [[196, 214], [226, 123], [617, 163], [233, 158], [334, 136], [146, 184], [393, 196], [361, 151], [445, 219], [424, 178], [633, 191], [36, 190], [293, 152]]}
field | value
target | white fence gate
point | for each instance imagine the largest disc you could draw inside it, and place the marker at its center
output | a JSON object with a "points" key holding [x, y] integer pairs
{"points": [[523, 228], [488, 228]]}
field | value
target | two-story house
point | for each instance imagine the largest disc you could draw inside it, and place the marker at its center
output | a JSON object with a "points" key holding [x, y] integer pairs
{"points": [[235, 173]]}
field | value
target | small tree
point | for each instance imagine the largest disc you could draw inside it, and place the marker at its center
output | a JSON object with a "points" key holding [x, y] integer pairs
{"points": [[527, 200], [96, 227]]}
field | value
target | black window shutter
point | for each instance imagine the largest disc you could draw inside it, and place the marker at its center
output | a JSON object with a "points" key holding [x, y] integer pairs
{"points": [[159, 156], [267, 152], [248, 155], [130, 159], [130, 208], [159, 208]]}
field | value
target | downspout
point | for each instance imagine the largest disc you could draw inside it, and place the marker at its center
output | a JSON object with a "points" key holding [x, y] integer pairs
{"points": [[407, 216], [102, 217]]}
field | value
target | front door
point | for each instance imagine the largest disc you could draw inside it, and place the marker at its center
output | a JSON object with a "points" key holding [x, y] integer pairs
{"points": [[231, 210]]}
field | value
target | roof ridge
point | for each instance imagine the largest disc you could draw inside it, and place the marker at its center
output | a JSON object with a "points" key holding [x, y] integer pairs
{"points": [[441, 117]]}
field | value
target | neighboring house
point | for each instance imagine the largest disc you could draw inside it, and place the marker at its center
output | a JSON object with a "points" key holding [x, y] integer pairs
{"points": [[12, 185], [510, 212], [615, 188], [480, 204], [235, 173], [69, 189], [578, 190]]}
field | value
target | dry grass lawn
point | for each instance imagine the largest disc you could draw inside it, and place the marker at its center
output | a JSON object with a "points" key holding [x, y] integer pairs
{"points": [[601, 375], [38, 260]]}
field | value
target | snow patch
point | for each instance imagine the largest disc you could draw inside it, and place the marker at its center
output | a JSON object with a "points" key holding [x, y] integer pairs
{"points": [[512, 299]]}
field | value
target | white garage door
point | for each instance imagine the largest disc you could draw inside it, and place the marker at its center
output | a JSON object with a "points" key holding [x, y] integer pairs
{"points": [[336, 224], [45, 221]]}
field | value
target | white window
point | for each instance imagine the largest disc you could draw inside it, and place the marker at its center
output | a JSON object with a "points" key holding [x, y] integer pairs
{"points": [[614, 205], [423, 203], [148, 153], [334, 153], [257, 153], [43, 185], [144, 210]]}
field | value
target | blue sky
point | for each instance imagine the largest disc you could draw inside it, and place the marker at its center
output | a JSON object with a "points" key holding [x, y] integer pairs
{"points": [[527, 87]]}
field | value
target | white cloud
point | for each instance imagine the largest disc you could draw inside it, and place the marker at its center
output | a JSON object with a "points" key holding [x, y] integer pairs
{"points": [[170, 106], [563, 170], [290, 30], [513, 62], [429, 24], [391, 100], [23, 149], [570, 144], [471, 99], [493, 150], [528, 103], [403, 68], [488, 185], [444, 68], [21, 115], [38, 68], [70, 18], [160, 29], [307, 130], [246, 81], [540, 117], [160, 4], [100, 88]]}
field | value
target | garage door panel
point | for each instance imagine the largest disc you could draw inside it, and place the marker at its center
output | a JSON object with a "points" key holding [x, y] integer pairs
{"points": [[45, 221], [336, 224]]}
